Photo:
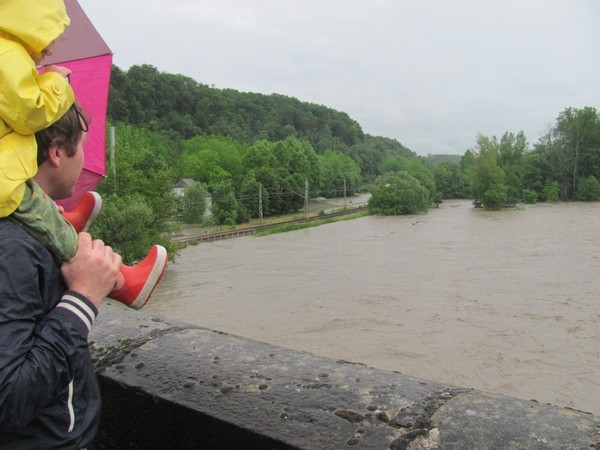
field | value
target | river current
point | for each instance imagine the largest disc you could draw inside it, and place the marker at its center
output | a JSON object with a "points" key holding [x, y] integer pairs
{"points": [[506, 302]]}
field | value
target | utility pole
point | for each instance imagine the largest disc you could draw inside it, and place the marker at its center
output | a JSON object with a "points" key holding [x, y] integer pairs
{"points": [[260, 211], [306, 199], [344, 191], [113, 164]]}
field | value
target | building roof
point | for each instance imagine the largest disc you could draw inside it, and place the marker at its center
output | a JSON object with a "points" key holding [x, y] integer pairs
{"points": [[185, 182]]}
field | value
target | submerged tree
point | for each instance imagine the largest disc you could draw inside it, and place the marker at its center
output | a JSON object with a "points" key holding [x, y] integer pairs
{"points": [[512, 149], [487, 179], [588, 189], [450, 181], [396, 193], [416, 168], [573, 147]]}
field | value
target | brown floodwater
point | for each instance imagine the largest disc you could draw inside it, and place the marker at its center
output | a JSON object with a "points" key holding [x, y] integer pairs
{"points": [[506, 302]]}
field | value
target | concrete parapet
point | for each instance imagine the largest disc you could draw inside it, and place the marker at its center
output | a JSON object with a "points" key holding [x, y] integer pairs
{"points": [[168, 385]]}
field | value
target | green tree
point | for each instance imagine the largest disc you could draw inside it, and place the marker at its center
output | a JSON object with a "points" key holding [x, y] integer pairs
{"points": [[417, 169], [529, 196], [450, 181], [588, 189], [127, 223], [210, 159], [537, 172], [394, 163], [486, 177], [574, 147], [253, 196], [144, 177], [511, 158], [396, 193], [224, 207], [551, 192], [467, 161], [193, 204], [297, 157], [282, 168], [340, 174], [496, 170], [261, 170]]}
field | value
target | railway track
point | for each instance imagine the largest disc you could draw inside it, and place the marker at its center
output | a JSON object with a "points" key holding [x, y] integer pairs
{"points": [[210, 237]]}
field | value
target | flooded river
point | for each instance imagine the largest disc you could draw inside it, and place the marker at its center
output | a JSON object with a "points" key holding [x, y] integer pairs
{"points": [[506, 302]]}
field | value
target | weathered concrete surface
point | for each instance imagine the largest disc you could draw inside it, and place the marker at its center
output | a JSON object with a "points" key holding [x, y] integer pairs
{"points": [[171, 385]]}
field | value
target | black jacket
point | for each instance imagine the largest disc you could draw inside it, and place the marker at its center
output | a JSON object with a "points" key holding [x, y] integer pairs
{"points": [[49, 396]]}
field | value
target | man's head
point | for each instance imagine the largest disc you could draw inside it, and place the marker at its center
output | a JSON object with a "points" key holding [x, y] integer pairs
{"points": [[60, 153]]}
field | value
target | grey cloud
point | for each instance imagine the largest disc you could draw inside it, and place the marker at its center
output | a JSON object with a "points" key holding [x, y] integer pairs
{"points": [[431, 74]]}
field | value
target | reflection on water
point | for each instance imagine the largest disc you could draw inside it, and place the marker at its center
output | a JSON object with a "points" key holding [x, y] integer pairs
{"points": [[505, 301]]}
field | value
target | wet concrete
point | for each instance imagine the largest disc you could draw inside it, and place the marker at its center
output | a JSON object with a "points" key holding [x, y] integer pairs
{"points": [[171, 385]]}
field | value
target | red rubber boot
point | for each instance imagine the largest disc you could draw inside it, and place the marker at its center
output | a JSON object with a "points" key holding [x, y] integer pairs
{"points": [[141, 279], [85, 212]]}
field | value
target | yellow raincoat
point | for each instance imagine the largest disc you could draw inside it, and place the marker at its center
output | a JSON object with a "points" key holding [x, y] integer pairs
{"points": [[29, 102]]}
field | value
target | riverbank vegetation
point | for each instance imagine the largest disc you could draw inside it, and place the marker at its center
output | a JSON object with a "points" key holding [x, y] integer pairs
{"points": [[309, 224], [252, 155]]}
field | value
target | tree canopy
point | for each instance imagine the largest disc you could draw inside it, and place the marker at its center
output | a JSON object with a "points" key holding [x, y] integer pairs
{"points": [[506, 171], [143, 96], [396, 193]]}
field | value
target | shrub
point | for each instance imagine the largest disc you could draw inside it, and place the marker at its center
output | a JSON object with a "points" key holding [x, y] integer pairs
{"points": [[551, 192], [529, 196], [494, 198], [588, 189]]}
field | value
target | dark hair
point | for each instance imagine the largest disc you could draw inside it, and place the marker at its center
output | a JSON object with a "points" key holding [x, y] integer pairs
{"points": [[65, 132]]}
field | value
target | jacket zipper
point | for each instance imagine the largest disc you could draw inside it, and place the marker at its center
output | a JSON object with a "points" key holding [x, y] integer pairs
{"points": [[70, 407]]}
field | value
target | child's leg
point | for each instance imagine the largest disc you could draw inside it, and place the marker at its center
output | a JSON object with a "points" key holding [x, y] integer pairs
{"points": [[136, 283], [141, 279], [39, 216], [85, 212]]}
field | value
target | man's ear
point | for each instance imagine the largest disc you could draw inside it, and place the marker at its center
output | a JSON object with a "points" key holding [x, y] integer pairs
{"points": [[55, 154]]}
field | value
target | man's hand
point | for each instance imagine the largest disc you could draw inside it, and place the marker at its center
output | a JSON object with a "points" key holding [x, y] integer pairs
{"points": [[94, 270]]}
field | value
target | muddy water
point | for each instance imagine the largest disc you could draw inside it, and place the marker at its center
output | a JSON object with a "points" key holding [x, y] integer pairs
{"points": [[506, 302]]}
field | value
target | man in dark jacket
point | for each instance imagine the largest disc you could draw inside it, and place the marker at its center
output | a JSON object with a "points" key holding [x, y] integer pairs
{"points": [[49, 396]]}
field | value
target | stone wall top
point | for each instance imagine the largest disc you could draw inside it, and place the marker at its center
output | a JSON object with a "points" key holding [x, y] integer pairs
{"points": [[299, 400]]}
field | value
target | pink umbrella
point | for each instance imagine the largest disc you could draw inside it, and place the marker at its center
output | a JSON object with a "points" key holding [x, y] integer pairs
{"points": [[82, 49]]}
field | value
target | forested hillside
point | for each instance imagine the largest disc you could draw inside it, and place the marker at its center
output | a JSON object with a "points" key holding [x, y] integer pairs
{"points": [[145, 97]]}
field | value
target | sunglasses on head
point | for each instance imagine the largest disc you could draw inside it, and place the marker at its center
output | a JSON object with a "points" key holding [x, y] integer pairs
{"points": [[83, 123]]}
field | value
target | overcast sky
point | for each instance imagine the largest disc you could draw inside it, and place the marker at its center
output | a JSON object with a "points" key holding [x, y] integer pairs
{"points": [[430, 73]]}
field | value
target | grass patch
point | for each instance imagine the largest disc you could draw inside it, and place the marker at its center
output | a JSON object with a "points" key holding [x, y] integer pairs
{"points": [[312, 223]]}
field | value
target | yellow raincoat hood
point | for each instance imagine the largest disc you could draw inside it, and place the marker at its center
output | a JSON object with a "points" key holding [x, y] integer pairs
{"points": [[35, 23], [29, 102]]}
